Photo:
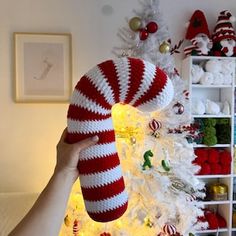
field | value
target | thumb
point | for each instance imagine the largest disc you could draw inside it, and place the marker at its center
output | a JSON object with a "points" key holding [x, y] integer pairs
{"points": [[87, 142]]}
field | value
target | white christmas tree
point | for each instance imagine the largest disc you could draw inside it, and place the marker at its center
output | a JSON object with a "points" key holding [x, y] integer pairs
{"points": [[155, 149]]}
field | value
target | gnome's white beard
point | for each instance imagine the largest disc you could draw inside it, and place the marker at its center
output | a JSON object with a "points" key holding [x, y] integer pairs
{"points": [[203, 43], [229, 44]]}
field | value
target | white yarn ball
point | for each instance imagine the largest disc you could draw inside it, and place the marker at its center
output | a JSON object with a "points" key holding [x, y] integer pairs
{"points": [[218, 78], [212, 108], [198, 107], [226, 108], [213, 66], [228, 79], [207, 78], [196, 73], [227, 66]]}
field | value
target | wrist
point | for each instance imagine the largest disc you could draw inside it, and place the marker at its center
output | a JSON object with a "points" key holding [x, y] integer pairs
{"points": [[67, 175]]}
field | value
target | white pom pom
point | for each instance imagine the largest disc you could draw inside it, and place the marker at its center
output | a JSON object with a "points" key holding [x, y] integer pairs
{"points": [[232, 19]]}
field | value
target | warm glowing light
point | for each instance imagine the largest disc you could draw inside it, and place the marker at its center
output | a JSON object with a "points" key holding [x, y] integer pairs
{"points": [[119, 223], [128, 123]]}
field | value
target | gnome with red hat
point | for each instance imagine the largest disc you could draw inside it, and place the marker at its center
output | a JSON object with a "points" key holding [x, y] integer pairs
{"points": [[198, 34], [224, 38]]}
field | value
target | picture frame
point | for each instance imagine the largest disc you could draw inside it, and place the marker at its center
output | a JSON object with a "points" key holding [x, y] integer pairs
{"points": [[42, 67]]}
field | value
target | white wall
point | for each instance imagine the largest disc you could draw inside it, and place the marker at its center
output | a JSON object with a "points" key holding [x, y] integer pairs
{"points": [[29, 132]]}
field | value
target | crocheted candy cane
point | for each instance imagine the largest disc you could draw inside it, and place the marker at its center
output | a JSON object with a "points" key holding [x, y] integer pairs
{"points": [[125, 80]]}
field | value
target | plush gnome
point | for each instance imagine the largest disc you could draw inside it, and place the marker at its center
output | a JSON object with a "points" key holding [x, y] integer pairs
{"points": [[224, 38], [198, 35]]}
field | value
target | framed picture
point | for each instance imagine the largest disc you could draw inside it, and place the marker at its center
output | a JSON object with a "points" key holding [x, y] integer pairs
{"points": [[43, 67]]}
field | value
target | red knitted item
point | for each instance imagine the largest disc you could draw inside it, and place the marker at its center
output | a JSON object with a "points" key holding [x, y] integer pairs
{"points": [[215, 169], [221, 221], [213, 156], [225, 169], [211, 219], [205, 169], [225, 157], [125, 80], [202, 154]]}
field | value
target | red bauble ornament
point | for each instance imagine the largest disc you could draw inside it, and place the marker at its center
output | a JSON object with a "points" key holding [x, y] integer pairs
{"points": [[169, 229], [105, 234], [152, 27], [154, 125], [143, 34]]}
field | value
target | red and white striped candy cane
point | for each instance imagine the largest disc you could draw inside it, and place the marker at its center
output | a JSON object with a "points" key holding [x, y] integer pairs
{"points": [[75, 228], [124, 80]]}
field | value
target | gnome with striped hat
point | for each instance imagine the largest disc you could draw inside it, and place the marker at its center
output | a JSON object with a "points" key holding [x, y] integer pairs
{"points": [[198, 35], [224, 38]]}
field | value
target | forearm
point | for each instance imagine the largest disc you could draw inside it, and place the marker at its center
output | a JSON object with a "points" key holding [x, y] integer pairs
{"points": [[45, 217]]}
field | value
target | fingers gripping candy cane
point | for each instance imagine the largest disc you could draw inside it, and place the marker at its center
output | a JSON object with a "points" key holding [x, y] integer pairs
{"points": [[125, 80]]}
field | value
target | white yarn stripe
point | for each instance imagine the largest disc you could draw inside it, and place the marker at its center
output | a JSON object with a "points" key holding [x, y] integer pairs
{"points": [[98, 151], [224, 28], [149, 72], [101, 178], [222, 22], [123, 73], [161, 100], [108, 204], [90, 126], [100, 81], [81, 100]]}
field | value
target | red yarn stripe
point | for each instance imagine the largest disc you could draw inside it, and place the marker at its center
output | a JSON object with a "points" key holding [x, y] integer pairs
{"points": [[109, 71], [109, 215], [226, 24], [223, 18], [155, 89], [104, 192], [136, 76], [91, 92], [92, 166], [104, 137], [82, 114]]}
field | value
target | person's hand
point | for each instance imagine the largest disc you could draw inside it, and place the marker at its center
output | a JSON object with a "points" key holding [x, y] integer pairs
{"points": [[68, 155]]}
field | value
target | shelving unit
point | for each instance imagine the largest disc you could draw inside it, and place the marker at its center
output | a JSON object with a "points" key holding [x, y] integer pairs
{"points": [[216, 93]]}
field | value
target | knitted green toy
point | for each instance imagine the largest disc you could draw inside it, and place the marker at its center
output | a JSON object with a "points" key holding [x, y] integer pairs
{"points": [[223, 131], [209, 131]]}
